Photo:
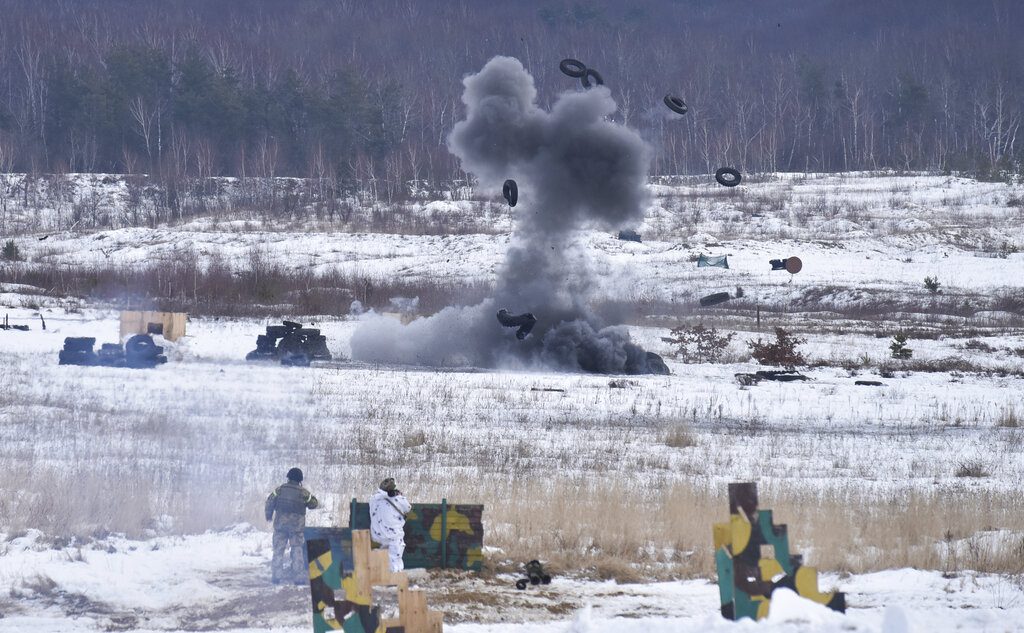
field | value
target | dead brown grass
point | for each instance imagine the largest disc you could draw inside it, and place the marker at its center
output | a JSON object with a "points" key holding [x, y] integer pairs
{"points": [[610, 531]]}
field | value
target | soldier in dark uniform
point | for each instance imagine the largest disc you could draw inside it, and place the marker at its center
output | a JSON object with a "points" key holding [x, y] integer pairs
{"points": [[287, 507]]}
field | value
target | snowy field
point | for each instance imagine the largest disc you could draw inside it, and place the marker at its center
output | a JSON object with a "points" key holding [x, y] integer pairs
{"points": [[129, 496]]}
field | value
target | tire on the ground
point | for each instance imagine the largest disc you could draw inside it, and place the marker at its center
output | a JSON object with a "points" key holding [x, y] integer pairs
{"points": [[572, 67], [728, 177], [141, 345], [714, 299], [521, 583], [77, 357], [510, 190], [291, 344], [676, 104], [276, 331], [79, 343]]}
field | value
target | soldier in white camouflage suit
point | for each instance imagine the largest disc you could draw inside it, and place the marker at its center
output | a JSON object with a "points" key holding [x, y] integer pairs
{"points": [[287, 507], [388, 507]]}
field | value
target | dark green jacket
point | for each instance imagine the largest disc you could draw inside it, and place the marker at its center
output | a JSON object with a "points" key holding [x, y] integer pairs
{"points": [[287, 506]]}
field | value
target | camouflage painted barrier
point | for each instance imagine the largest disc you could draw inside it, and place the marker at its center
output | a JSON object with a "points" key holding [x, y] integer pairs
{"points": [[436, 534], [753, 560], [340, 560], [329, 555]]}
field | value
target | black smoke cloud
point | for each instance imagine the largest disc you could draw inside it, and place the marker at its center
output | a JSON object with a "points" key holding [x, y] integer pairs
{"points": [[575, 170]]}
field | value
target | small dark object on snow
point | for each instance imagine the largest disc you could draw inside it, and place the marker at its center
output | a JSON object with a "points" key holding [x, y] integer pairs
{"points": [[589, 74], [629, 235], [535, 575], [524, 322], [547, 389], [869, 383], [777, 264], [715, 299], [676, 104], [511, 192], [6, 325], [572, 67], [43, 238], [794, 265], [291, 344], [778, 375], [728, 177]]}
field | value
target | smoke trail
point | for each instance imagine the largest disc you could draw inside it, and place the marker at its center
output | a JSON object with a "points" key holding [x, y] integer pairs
{"points": [[576, 170]]}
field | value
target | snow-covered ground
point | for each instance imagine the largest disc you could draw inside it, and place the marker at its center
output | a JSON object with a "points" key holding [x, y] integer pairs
{"points": [[219, 581], [580, 469]]}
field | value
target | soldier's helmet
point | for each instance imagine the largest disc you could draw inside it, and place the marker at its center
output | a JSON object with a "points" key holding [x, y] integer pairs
{"points": [[295, 474], [388, 485]]}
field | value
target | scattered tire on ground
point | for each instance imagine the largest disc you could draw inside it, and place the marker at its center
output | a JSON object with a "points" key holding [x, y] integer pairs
{"points": [[714, 299], [728, 177]]}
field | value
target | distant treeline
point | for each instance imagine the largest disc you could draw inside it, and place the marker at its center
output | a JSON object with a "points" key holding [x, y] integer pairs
{"points": [[356, 92]]}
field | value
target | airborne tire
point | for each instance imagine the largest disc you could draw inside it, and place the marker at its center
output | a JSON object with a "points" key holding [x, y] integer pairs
{"points": [[572, 67], [676, 104], [591, 74], [510, 190]]}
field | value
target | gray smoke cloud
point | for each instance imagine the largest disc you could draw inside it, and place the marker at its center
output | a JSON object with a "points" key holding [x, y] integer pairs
{"points": [[575, 170]]}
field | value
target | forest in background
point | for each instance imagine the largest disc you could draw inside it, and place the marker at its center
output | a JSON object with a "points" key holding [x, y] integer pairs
{"points": [[351, 92]]}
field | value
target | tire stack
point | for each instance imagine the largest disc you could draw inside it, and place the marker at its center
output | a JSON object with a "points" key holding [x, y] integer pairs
{"points": [[78, 351], [111, 355], [139, 352], [291, 344]]}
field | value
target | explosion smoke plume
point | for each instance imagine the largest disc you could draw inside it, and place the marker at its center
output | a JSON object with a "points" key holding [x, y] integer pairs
{"points": [[576, 170]]}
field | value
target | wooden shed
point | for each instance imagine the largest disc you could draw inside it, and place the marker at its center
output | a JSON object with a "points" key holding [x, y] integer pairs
{"points": [[170, 325]]}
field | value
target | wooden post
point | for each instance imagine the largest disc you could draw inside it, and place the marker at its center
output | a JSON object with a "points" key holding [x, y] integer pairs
{"points": [[444, 533]]}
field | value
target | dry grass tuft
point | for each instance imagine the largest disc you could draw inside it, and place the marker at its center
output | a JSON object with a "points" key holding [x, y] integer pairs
{"points": [[1008, 419], [971, 469], [678, 436]]}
